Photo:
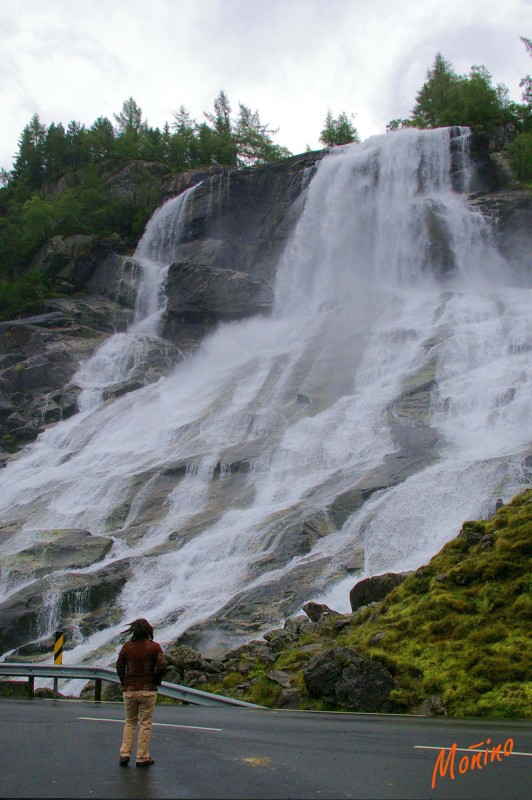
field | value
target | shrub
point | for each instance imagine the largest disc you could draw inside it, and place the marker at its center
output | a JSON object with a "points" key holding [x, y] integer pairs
{"points": [[520, 155]]}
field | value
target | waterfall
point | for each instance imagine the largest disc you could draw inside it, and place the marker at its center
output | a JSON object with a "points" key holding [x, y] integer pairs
{"points": [[125, 353], [395, 368]]}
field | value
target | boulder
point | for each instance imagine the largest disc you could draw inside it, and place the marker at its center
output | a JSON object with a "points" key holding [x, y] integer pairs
{"points": [[364, 685], [371, 590], [432, 706], [316, 611], [184, 658], [289, 698], [280, 639], [298, 625], [343, 677], [280, 677]]}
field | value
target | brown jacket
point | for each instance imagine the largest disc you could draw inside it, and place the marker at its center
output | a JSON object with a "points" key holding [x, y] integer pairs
{"points": [[141, 665]]}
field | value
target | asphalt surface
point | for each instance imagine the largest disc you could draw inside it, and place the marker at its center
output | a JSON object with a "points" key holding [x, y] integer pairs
{"points": [[69, 748]]}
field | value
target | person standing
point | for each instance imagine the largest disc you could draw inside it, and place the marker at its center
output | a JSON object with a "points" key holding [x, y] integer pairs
{"points": [[140, 666]]}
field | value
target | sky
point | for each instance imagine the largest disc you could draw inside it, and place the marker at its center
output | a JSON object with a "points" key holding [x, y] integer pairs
{"points": [[290, 59]]}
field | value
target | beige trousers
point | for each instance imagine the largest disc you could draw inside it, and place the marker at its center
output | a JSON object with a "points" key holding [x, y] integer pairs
{"points": [[139, 708]]}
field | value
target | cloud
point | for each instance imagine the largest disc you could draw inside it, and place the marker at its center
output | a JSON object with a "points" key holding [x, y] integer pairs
{"points": [[291, 59]]}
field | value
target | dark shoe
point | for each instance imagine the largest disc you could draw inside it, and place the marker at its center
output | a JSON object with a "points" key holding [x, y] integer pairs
{"points": [[146, 763], [124, 761]]}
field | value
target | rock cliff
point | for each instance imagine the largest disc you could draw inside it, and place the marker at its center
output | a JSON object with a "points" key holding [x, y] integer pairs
{"points": [[236, 229], [224, 269]]}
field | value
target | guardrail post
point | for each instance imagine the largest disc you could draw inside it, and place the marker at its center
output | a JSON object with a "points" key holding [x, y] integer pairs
{"points": [[97, 689], [59, 641], [31, 686]]}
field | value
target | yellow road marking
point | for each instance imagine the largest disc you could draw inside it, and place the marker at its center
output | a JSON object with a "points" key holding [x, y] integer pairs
{"points": [[257, 762]]}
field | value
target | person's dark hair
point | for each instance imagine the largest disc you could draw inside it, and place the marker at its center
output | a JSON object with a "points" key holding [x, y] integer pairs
{"points": [[139, 629]]}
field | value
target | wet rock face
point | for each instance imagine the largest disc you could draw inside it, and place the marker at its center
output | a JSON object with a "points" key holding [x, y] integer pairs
{"points": [[40, 355], [84, 602], [240, 219], [70, 261], [203, 296], [510, 213], [56, 550], [116, 277]]}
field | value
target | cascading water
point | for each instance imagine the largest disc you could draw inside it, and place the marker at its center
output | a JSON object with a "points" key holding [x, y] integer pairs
{"points": [[124, 353], [396, 364]]}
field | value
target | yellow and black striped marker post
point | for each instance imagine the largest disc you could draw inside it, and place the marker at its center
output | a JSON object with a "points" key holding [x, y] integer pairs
{"points": [[58, 647], [59, 641]]}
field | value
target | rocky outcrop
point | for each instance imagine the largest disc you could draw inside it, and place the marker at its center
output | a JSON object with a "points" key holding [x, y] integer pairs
{"points": [[85, 603], [255, 609], [40, 355], [510, 212], [345, 678], [316, 611], [57, 550], [202, 296], [70, 261], [371, 590], [148, 183], [340, 676], [492, 171], [240, 219]]}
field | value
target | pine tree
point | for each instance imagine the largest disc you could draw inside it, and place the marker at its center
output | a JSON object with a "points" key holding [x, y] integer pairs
{"points": [[436, 96], [225, 148], [184, 146], [75, 139], [253, 139], [29, 166], [99, 142], [130, 118], [338, 131], [55, 151]]}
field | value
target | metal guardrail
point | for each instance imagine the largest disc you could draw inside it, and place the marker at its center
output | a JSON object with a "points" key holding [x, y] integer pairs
{"points": [[98, 674]]}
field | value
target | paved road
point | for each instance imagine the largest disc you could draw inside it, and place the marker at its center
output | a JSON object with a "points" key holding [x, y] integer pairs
{"points": [[54, 748]]}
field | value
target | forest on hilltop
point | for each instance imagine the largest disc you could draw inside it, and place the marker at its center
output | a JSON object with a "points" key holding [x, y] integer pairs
{"points": [[58, 182]]}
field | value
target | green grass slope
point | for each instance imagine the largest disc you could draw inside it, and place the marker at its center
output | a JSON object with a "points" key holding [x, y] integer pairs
{"points": [[456, 632]]}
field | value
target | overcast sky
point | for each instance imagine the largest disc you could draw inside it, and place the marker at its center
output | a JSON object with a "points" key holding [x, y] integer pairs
{"points": [[290, 59]]}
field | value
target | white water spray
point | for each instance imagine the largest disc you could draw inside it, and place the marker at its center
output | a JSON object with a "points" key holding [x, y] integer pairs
{"points": [[124, 353], [388, 277]]}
